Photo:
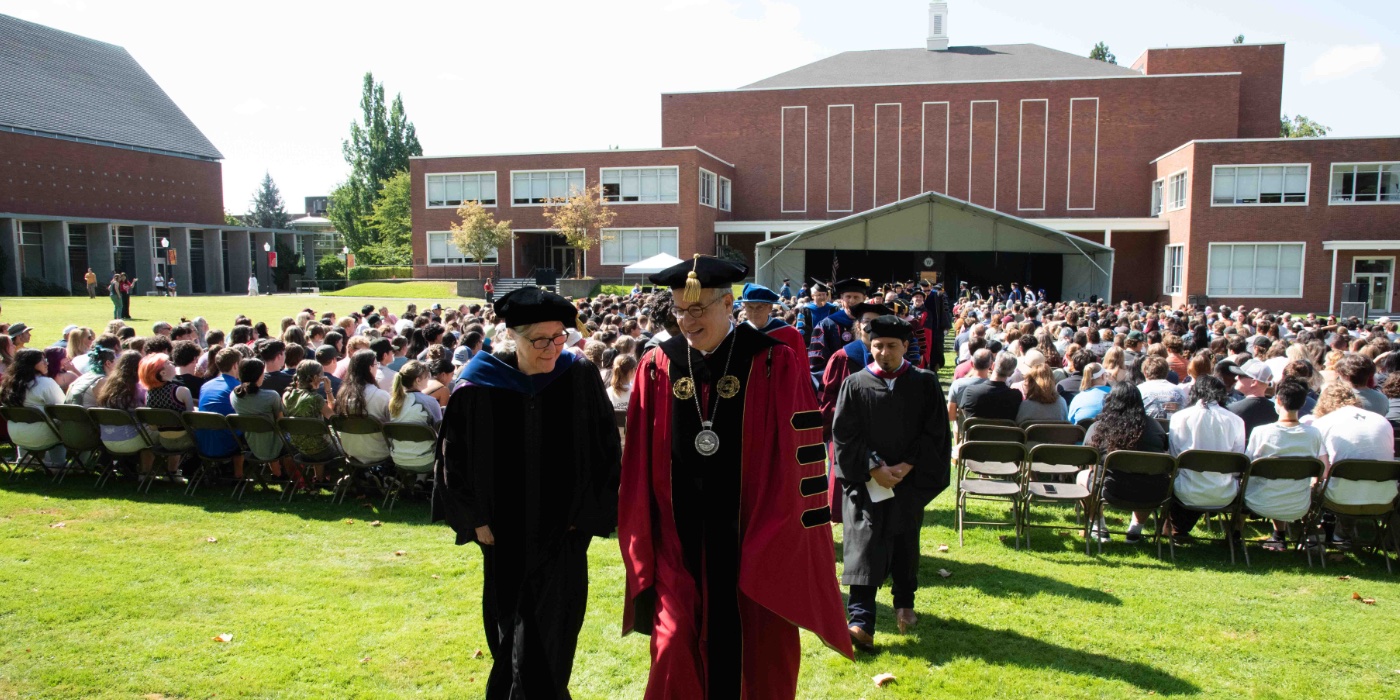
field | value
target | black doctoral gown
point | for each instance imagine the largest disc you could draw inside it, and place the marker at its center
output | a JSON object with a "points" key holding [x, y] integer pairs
{"points": [[537, 459], [906, 424]]}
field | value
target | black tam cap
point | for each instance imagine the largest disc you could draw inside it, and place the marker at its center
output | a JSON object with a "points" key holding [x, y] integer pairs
{"points": [[864, 308], [889, 327], [850, 285], [704, 272], [821, 287], [528, 305]]}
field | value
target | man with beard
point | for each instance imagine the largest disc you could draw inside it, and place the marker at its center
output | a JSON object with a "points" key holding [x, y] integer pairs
{"points": [[892, 450], [724, 516], [529, 471]]}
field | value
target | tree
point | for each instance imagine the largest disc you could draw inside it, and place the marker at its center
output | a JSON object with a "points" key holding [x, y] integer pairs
{"points": [[267, 209], [379, 146], [580, 218], [479, 234], [392, 217], [1101, 53], [1300, 127], [231, 220], [1239, 39], [288, 264]]}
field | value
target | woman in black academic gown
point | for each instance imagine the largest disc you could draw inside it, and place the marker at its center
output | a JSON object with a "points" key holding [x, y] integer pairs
{"points": [[529, 471]]}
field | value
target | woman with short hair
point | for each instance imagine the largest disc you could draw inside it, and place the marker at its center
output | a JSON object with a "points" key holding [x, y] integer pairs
{"points": [[83, 391], [157, 374]]}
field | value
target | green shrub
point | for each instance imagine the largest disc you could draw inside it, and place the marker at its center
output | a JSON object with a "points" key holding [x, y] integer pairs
{"points": [[330, 267], [35, 287], [380, 272]]}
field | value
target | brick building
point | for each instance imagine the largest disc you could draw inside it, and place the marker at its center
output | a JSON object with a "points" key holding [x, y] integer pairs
{"points": [[1062, 141], [101, 169]]}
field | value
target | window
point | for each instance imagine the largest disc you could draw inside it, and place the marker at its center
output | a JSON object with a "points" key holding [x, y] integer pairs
{"points": [[451, 189], [124, 237], [1260, 184], [1171, 269], [1157, 197], [31, 243], [540, 186], [77, 236], [441, 251], [1255, 270], [707, 188], [640, 185], [726, 191], [1366, 183], [1176, 191], [624, 246]]}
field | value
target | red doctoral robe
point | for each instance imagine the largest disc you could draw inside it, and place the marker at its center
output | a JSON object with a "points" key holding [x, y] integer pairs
{"points": [[735, 548]]}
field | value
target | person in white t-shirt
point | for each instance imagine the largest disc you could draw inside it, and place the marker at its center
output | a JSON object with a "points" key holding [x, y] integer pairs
{"points": [[360, 396], [1283, 500], [1352, 432], [27, 385], [1206, 425]]}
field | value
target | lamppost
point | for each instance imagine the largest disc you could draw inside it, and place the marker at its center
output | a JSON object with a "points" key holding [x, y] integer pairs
{"points": [[267, 255], [345, 250], [169, 271]]}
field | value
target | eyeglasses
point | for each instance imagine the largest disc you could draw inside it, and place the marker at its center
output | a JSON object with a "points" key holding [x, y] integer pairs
{"points": [[542, 343], [694, 311]]}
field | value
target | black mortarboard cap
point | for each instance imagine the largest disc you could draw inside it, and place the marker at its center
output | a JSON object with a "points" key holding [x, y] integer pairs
{"points": [[821, 287], [866, 307], [528, 305], [704, 272], [889, 327], [850, 285]]}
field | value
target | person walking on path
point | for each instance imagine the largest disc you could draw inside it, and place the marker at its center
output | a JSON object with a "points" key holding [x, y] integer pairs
{"points": [[91, 280]]}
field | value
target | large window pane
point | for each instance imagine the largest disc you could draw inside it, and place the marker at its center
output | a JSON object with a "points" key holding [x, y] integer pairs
{"points": [[1224, 186], [1242, 270], [435, 190]]}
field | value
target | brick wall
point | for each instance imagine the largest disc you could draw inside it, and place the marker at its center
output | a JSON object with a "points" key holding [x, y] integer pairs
{"points": [[1138, 119], [64, 178], [1261, 80]]}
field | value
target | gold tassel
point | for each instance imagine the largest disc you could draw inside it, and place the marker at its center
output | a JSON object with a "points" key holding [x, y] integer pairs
{"points": [[692, 283], [582, 329]]}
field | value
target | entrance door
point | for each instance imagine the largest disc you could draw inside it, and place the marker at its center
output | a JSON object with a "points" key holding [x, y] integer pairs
{"points": [[562, 258], [1376, 274]]}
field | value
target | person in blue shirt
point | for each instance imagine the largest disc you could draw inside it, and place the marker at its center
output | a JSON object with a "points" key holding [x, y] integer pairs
{"points": [[215, 397], [786, 290]]}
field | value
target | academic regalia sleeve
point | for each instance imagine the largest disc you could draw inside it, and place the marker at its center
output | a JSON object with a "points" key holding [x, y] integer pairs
{"points": [[634, 518], [789, 564], [597, 514], [463, 439], [836, 373], [848, 431], [932, 449]]}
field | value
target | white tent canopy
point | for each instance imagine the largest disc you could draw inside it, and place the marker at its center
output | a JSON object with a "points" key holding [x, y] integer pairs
{"points": [[933, 222], [653, 264]]}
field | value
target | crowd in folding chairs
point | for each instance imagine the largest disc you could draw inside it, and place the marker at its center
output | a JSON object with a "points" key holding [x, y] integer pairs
{"points": [[1256, 421]]}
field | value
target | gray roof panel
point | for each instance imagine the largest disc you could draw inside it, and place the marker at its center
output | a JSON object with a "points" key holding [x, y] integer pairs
{"points": [[72, 86], [957, 64]]}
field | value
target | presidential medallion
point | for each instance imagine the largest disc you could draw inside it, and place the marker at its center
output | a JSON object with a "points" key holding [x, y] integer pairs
{"points": [[727, 386], [683, 389], [707, 441]]}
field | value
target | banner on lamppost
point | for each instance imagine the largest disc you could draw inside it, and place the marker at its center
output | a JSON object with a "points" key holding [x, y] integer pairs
{"points": [[272, 258], [349, 260], [170, 256]]}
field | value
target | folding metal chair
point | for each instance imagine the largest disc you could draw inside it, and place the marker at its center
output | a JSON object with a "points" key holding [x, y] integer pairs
{"points": [[117, 418], [209, 462], [1233, 464], [987, 432], [243, 425], [990, 471], [1141, 463], [1054, 461], [1053, 434], [358, 425], [1086, 423], [82, 438], [1297, 469], [314, 428], [406, 471], [30, 453], [1029, 422], [1364, 470], [158, 420]]}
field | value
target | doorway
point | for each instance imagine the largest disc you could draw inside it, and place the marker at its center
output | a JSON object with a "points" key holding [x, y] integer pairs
{"points": [[1375, 274]]}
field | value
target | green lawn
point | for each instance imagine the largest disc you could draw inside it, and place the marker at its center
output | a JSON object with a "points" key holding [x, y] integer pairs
{"points": [[123, 600], [401, 290]]}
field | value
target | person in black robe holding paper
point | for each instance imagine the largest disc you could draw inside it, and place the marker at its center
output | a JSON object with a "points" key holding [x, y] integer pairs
{"points": [[892, 450], [529, 469]]}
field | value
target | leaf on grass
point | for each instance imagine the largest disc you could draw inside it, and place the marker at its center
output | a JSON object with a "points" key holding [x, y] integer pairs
{"points": [[882, 679], [944, 573], [1369, 601], [436, 576], [365, 660], [400, 553], [225, 637], [59, 525], [349, 521], [375, 524], [1343, 578], [942, 547], [211, 540], [476, 654]]}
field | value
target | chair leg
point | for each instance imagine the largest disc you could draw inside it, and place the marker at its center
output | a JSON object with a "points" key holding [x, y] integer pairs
{"points": [[960, 506]]}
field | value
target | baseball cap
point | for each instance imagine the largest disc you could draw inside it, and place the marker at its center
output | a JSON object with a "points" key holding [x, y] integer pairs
{"points": [[1136, 335], [1256, 370]]}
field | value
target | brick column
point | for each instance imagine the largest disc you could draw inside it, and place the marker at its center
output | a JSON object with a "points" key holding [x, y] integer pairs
{"points": [[239, 258], [56, 254], [10, 284], [214, 261]]}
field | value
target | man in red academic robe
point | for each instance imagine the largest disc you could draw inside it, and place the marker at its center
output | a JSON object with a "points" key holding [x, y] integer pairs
{"points": [[723, 512]]}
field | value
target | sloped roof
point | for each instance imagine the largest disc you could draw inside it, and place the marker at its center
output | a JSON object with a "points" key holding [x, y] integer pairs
{"points": [[957, 64], [71, 86]]}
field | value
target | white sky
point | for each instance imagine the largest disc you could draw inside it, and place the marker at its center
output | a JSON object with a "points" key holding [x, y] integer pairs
{"points": [[275, 85]]}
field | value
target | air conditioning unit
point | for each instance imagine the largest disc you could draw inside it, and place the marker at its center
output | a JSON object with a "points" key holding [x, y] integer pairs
{"points": [[1354, 308]]}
